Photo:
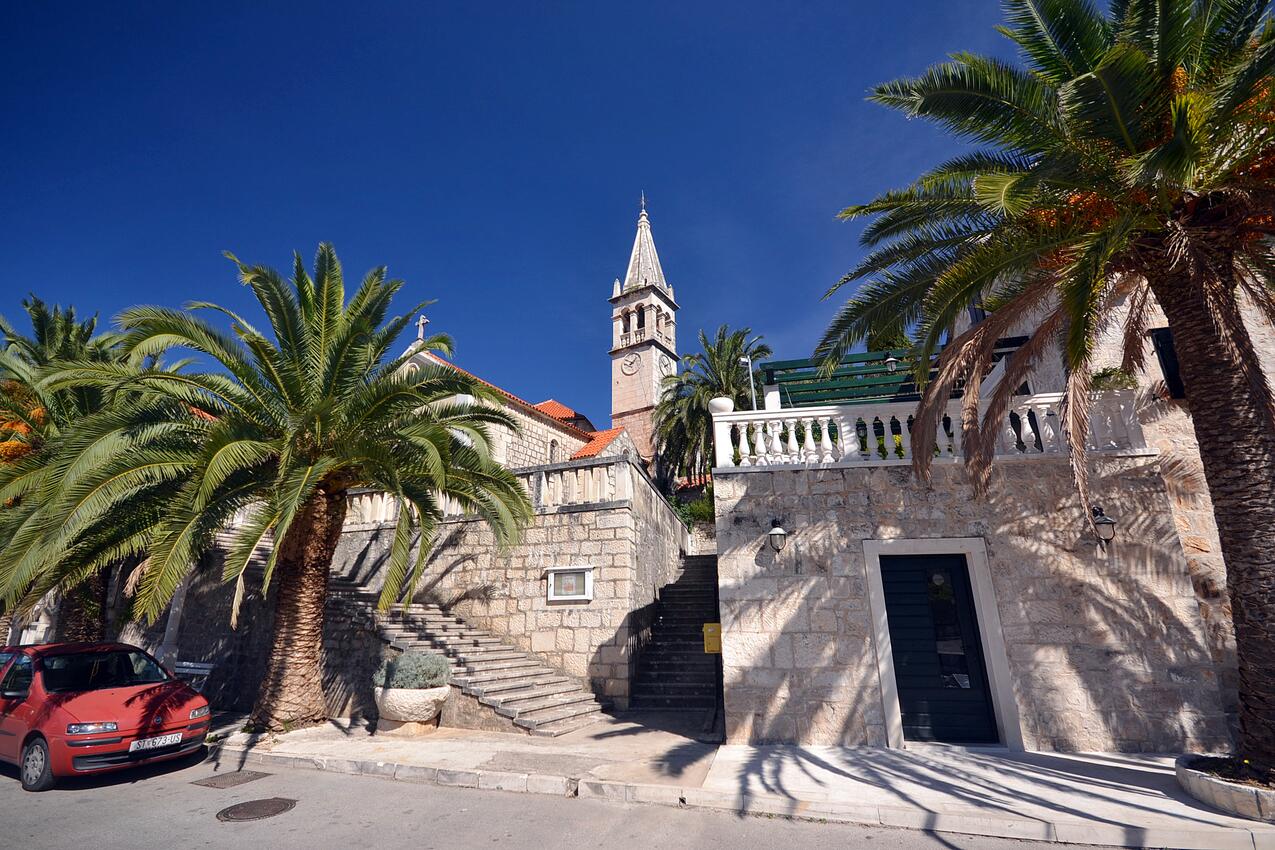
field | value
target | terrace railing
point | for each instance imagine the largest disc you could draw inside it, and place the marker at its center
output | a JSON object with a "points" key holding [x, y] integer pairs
{"points": [[881, 433], [567, 485]]}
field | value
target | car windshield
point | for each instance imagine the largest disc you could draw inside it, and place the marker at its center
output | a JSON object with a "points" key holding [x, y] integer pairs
{"points": [[95, 671], [4, 658]]}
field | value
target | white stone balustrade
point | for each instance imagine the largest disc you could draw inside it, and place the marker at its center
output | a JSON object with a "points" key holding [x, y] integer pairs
{"points": [[549, 488], [881, 433]]}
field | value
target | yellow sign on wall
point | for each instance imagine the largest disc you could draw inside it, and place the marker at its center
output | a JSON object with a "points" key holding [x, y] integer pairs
{"points": [[713, 638]]}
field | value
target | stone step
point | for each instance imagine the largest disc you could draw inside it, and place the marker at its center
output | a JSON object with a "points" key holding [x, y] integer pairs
{"points": [[702, 674], [512, 664], [679, 703], [532, 707], [467, 656], [674, 643], [662, 688], [515, 685], [562, 727], [550, 715], [657, 655], [530, 693], [484, 678]]}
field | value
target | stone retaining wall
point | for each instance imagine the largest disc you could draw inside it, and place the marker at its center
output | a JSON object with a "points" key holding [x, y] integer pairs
{"points": [[632, 544]]}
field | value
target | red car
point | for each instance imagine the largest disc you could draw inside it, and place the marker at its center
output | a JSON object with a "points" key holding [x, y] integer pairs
{"points": [[76, 709]]}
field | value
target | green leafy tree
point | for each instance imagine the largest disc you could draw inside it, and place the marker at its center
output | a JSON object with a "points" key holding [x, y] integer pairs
{"points": [[30, 414], [683, 423], [1130, 161], [269, 446]]}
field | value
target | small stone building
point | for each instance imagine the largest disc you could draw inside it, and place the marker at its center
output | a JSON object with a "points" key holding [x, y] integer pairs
{"points": [[905, 610]]}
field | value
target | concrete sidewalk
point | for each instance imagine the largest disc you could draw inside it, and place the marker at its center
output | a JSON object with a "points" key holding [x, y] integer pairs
{"points": [[1102, 799]]}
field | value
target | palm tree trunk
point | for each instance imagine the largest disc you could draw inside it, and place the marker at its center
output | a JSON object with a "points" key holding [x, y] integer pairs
{"points": [[292, 693], [6, 626], [82, 611], [1237, 447]]}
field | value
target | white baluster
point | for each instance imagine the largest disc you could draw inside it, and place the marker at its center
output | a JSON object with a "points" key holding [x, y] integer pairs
{"points": [[793, 451], [825, 439], [1047, 428], [1007, 439], [745, 446], [905, 433], [776, 448], [809, 445]]}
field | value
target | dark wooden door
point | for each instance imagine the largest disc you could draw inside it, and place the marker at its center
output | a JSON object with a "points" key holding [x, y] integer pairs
{"points": [[938, 657]]}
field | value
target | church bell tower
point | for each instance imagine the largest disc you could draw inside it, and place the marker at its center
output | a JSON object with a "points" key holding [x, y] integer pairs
{"points": [[643, 339]]}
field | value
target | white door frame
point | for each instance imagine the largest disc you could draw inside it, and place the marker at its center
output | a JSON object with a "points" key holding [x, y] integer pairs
{"points": [[995, 657]]}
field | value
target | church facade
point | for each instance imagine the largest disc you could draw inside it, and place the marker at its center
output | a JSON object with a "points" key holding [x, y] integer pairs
{"points": [[575, 597]]}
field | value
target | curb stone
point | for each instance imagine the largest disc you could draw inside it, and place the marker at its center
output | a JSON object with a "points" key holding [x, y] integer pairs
{"points": [[1024, 828]]}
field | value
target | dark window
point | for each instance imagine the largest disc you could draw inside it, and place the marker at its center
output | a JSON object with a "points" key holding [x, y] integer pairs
{"points": [[641, 318], [1162, 339], [95, 671], [18, 679]]}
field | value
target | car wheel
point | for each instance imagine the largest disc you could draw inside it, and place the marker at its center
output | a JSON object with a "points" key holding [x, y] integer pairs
{"points": [[37, 771]]}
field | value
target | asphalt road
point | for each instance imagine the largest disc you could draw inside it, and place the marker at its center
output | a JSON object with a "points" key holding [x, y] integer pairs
{"points": [[160, 808]]}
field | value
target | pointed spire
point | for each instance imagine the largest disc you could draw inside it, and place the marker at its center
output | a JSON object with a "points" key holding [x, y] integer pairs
{"points": [[644, 262]]}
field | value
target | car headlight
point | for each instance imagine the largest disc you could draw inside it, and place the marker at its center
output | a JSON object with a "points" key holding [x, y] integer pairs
{"points": [[92, 728], [202, 711]]}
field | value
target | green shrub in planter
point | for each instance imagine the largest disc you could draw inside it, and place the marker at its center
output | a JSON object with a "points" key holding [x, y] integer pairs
{"points": [[413, 670]]}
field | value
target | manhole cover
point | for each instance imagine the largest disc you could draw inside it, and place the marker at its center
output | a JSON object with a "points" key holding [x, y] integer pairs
{"points": [[231, 779], [256, 809]]}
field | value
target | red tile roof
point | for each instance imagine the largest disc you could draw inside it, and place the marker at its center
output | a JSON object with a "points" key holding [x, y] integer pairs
{"points": [[556, 409], [600, 440], [577, 432]]}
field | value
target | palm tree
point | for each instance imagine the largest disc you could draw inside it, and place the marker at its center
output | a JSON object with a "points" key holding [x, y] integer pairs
{"points": [[30, 415], [292, 422], [1130, 161], [683, 424]]}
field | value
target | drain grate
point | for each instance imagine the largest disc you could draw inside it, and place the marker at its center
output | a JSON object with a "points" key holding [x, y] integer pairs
{"points": [[231, 779], [256, 809]]}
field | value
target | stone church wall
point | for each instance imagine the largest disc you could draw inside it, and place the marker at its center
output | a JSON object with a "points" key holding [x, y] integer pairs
{"points": [[1107, 650], [537, 442]]}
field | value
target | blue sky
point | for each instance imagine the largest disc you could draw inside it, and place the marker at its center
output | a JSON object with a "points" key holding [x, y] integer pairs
{"points": [[489, 154]]}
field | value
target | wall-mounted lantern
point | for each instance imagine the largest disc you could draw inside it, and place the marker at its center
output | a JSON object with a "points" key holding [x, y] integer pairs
{"points": [[1103, 525], [777, 537]]}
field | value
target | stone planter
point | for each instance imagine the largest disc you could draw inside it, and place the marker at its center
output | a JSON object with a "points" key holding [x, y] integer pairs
{"points": [[408, 712], [721, 404], [1234, 798]]}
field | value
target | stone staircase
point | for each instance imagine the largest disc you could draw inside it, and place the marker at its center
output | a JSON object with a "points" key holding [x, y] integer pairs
{"points": [[515, 684], [674, 673]]}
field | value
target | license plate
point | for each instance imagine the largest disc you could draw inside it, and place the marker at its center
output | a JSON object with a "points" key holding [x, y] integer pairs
{"points": [[155, 743]]}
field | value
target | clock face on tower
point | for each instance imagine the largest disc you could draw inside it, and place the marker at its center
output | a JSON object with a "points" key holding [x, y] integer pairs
{"points": [[631, 363], [666, 365]]}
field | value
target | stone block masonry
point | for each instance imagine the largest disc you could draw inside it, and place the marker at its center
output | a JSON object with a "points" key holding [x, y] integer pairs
{"points": [[1106, 648], [632, 544], [603, 513]]}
